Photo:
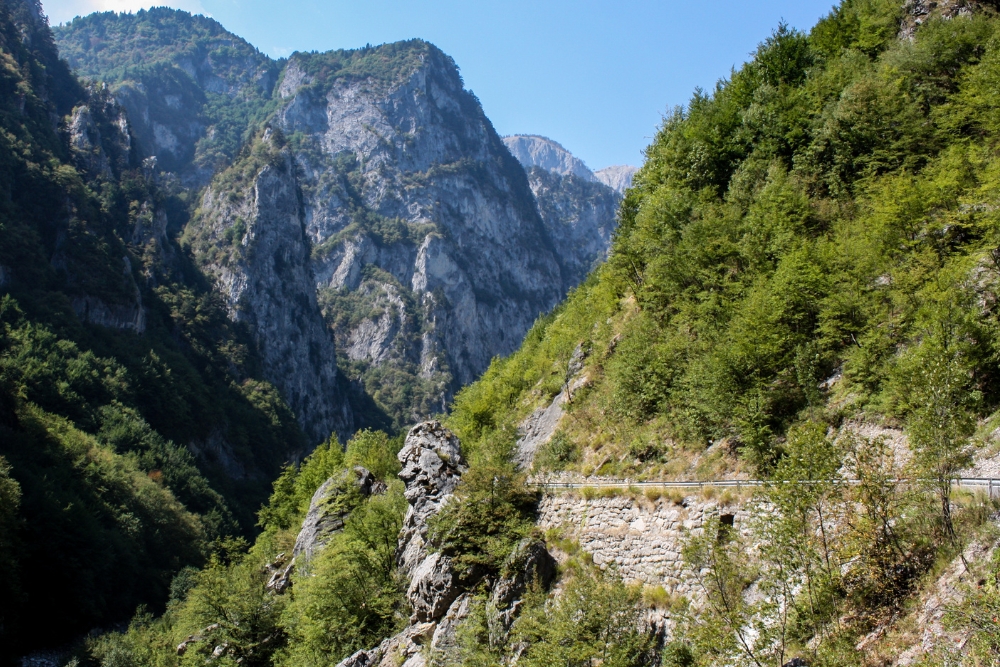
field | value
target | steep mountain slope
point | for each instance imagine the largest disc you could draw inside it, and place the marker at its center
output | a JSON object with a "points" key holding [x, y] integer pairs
{"points": [[802, 288], [617, 177], [427, 250], [578, 210], [429, 255], [251, 238], [135, 427], [532, 150], [191, 88]]}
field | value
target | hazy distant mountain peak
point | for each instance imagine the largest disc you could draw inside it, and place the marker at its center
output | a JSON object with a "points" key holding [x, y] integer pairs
{"points": [[617, 177], [534, 151]]}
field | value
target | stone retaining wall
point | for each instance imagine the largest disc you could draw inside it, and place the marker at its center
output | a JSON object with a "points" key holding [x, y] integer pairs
{"points": [[641, 538]]}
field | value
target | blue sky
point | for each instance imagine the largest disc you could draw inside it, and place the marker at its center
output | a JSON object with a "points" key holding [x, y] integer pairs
{"points": [[595, 76]]}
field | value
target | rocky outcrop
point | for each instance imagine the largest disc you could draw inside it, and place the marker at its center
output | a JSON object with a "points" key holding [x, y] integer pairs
{"points": [[432, 468], [538, 428], [251, 238], [410, 196], [94, 310], [529, 564], [917, 12], [444, 643], [329, 508], [100, 153], [407, 649]]}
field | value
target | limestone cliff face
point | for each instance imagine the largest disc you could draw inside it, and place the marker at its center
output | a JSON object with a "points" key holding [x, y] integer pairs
{"points": [[580, 216], [424, 246], [532, 150], [250, 236], [429, 254], [578, 209], [617, 177]]}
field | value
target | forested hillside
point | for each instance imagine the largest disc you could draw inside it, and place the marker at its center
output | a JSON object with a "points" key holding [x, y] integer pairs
{"points": [[117, 362], [192, 89], [802, 287], [802, 242]]}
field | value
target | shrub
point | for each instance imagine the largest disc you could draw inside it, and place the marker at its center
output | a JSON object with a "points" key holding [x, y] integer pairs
{"points": [[491, 512]]}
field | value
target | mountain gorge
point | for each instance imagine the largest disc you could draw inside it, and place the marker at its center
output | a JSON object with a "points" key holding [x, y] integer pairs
{"points": [[738, 407], [424, 240], [212, 261]]}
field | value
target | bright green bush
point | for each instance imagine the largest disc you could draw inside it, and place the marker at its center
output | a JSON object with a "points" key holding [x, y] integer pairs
{"points": [[491, 512], [352, 597], [595, 619]]}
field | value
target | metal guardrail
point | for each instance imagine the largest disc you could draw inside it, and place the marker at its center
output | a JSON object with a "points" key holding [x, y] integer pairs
{"points": [[992, 484]]}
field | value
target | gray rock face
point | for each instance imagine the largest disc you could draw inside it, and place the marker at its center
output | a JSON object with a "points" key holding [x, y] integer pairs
{"points": [[328, 510], [423, 224], [130, 316], [86, 141], [917, 12], [102, 148], [580, 216], [579, 209], [428, 253], [434, 585], [617, 177], [538, 428], [252, 240], [407, 649], [532, 150], [432, 468], [529, 564], [444, 643]]}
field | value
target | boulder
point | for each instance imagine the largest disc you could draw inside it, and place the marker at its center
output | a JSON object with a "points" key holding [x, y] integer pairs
{"points": [[405, 649], [434, 585], [444, 643], [280, 570], [529, 563], [329, 508]]}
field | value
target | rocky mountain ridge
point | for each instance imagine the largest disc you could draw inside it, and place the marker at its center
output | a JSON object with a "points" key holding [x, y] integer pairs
{"points": [[578, 208], [425, 243], [428, 254], [533, 150]]}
